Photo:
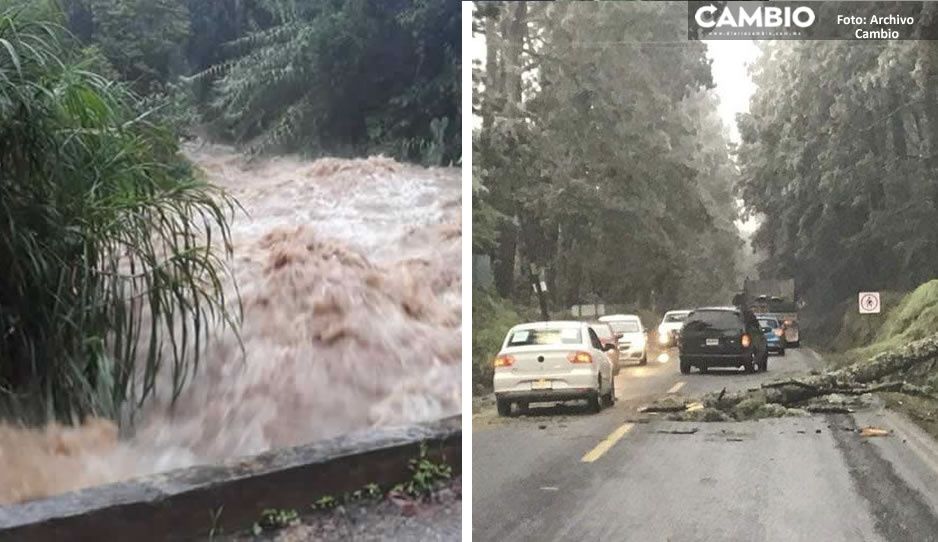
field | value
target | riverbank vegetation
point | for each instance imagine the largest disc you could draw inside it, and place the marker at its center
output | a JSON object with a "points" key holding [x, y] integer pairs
{"points": [[112, 247], [104, 232], [334, 77]]}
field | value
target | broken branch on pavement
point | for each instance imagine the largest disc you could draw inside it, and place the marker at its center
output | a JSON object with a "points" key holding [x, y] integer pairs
{"points": [[840, 389]]}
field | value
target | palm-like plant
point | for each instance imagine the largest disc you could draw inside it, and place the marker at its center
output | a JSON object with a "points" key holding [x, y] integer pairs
{"points": [[110, 265]]}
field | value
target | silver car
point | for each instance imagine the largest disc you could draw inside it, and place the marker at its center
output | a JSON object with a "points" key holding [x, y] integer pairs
{"points": [[670, 328], [632, 337], [552, 361]]}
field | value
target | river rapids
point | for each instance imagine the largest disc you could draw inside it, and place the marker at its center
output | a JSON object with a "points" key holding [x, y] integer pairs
{"points": [[349, 277]]}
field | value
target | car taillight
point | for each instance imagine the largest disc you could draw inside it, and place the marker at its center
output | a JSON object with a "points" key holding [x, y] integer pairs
{"points": [[579, 357], [745, 341], [504, 361], [778, 332]]}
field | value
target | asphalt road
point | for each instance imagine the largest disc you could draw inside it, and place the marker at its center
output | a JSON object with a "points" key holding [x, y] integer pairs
{"points": [[560, 473]]}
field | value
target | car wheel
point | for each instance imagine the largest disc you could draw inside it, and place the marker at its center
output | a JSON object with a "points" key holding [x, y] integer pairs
{"points": [[781, 352], [594, 404], [644, 360], [503, 406], [610, 398], [685, 367], [750, 366]]}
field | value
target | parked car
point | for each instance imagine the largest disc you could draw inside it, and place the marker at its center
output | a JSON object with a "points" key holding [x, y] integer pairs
{"points": [[632, 337], [774, 334], [552, 361], [722, 337], [608, 337], [670, 327]]}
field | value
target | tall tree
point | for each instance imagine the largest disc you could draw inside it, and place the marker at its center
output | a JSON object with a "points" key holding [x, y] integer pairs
{"points": [[837, 160], [591, 142]]}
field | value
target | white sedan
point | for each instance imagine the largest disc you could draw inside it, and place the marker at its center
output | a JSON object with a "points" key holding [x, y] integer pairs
{"points": [[552, 361], [632, 337]]}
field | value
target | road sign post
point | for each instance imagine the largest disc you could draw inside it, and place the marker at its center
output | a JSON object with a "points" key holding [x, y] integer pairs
{"points": [[869, 302], [540, 290]]}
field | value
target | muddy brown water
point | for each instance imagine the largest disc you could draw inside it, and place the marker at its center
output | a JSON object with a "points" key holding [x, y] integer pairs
{"points": [[349, 275]]}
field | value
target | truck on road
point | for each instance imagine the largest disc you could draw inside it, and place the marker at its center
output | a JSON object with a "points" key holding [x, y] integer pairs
{"points": [[776, 297]]}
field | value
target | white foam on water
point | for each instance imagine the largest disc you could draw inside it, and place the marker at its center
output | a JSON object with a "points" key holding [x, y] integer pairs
{"points": [[349, 274]]}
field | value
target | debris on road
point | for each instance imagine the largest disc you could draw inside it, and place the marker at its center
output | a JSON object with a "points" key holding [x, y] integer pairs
{"points": [[830, 392], [667, 404], [690, 431], [871, 431], [821, 409]]}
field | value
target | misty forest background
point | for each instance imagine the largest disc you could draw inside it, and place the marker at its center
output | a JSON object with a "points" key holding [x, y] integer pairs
{"points": [[102, 219], [599, 157]]}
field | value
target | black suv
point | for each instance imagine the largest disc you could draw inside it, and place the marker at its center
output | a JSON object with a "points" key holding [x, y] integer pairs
{"points": [[722, 337]]}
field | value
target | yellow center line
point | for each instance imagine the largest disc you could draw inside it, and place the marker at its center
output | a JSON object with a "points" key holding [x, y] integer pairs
{"points": [[607, 443], [676, 387]]}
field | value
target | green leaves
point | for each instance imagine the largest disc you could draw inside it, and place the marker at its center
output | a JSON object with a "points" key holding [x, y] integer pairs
{"points": [[611, 161], [141, 38], [836, 155], [113, 254], [341, 77]]}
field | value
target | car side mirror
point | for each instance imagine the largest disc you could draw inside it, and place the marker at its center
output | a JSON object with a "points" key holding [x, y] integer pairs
{"points": [[608, 347], [619, 335]]}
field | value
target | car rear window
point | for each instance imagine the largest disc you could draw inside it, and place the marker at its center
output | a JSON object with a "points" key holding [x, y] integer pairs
{"points": [[712, 321], [625, 326], [529, 337], [603, 330], [675, 317], [765, 322]]}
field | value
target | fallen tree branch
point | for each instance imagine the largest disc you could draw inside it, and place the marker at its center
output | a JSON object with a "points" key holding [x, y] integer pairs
{"points": [[779, 398], [829, 409], [791, 382]]}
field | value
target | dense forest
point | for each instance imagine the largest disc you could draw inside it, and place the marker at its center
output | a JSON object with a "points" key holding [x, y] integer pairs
{"points": [[839, 157], [105, 229], [337, 77], [599, 156]]}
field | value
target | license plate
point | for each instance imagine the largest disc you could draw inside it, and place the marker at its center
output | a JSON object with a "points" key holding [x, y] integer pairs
{"points": [[541, 385], [713, 342]]}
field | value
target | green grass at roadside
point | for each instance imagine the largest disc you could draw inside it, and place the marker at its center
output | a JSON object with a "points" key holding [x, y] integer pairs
{"points": [[492, 316], [911, 317], [907, 318]]}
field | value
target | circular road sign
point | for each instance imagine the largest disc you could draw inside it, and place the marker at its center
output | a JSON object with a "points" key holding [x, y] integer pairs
{"points": [[869, 302]]}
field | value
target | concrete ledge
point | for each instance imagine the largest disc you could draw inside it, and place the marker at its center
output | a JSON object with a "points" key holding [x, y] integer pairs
{"points": [[176, 505]]}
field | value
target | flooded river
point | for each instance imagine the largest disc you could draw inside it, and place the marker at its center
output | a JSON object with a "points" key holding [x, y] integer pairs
{"points": [[349, 276]]}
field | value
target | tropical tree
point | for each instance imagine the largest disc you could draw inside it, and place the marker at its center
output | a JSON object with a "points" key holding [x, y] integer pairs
{"points": [[111, 250], [346, 77]]}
